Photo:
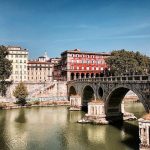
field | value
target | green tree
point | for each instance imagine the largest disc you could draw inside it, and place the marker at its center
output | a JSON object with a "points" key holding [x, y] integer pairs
{"points": [[128, 62], [21, 93], [5, 70]]}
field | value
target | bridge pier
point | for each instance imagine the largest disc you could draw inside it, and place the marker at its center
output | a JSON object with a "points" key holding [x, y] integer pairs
{"points": [[75, 102], [118, 113], [144, 132], [96, 113]]}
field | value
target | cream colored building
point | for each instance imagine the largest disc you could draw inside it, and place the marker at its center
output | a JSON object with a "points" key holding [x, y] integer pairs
{"points": [[19, 58], [40, 70]]}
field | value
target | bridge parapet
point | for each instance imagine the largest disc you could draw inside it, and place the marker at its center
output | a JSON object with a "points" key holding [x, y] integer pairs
{"points": [[115, 78]]}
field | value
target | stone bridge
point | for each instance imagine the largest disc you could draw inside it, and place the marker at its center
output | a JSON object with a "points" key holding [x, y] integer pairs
{"points": [[111, 90]]}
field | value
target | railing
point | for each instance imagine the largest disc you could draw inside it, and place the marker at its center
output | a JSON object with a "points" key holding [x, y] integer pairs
{"points": [[115, 78]]}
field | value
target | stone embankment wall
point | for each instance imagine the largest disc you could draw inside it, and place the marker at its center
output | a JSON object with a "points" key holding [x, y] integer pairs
{"points": [[56, 90]]}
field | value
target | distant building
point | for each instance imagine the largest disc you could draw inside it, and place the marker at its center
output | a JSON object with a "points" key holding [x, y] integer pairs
{"points": [[76, 64], [55, 61], [40, 70], [19, 58], [56, 68]]}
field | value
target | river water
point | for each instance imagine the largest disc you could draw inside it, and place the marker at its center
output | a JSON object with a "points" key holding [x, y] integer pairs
{"points": [[55, 128]]}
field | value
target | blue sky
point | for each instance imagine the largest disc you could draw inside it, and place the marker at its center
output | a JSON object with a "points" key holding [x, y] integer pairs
{"points": [[89, 25]]}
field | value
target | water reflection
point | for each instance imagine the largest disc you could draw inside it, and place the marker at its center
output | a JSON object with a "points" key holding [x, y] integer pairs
{"points": [[55, 128], [21, 116], [3, 134]]}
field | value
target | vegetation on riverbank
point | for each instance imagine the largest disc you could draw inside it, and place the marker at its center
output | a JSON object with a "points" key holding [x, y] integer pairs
{"points": [[21, 93], [5, 70], [123, 62]]}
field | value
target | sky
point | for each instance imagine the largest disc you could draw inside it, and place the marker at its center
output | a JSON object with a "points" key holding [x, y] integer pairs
{"points": [[89, 25]]}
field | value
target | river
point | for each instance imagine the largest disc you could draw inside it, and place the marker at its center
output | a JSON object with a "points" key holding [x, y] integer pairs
{"points": [[55, 128]]}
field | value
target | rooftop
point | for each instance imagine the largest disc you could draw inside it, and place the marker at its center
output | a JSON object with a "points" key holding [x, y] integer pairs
{"points": [[37, 62], [77, 51]]}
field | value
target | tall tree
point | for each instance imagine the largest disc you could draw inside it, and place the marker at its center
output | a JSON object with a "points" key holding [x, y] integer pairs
{"points": [[21, 93], [123, 62], [5, 70]]}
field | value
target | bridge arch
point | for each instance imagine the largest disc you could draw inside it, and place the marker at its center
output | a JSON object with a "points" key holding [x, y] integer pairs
{"points": [[88, 95], [115, 98], [72, 91]]}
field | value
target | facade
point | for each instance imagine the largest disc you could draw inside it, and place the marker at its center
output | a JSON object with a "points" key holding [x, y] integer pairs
{"points": [[77, 64], [56, 68], [40, 70], [19, 58]]}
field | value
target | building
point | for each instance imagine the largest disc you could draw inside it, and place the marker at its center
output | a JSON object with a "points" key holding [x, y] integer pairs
{"points": [[19, 58], [56, 68], [40, 70], [76, 64]]}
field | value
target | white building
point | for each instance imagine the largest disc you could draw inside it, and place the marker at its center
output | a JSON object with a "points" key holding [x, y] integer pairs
{"points": [[19, 58]]}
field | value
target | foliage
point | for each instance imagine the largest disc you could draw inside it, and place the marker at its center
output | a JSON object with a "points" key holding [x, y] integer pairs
{"points": [[21, 93], [5, 70], [122, 62], [2, 105]]}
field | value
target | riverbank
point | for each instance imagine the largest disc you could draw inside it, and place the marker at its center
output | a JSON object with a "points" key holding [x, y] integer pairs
{"points": [[10, 105]]}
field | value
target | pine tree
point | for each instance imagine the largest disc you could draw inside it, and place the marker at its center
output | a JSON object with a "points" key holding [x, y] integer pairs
{"points": [[5, 70], [21, 93]]}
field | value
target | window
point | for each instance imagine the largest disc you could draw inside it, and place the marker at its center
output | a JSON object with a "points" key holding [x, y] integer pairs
{"points": [[87, 68]]}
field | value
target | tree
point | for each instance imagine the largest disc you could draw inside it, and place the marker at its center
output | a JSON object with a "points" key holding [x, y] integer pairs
{"points": [[5, 70], [123, 62], [21, 93]]}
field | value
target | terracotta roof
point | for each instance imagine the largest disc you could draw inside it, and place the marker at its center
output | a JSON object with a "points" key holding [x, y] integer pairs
{"points": [[90, 53], [146, 117], [37, 62]]}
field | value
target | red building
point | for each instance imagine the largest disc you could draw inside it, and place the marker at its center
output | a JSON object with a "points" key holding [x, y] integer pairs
{"points": [[76, 64]]}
